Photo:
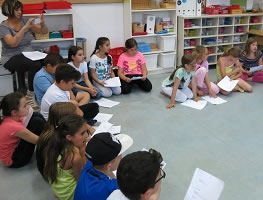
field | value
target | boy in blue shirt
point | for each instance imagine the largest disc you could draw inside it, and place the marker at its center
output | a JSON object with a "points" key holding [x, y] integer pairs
{"points": [[97, 180], [45, 77]]}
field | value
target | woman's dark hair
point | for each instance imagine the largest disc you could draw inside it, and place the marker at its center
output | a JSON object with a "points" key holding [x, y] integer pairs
{"points": [[250, 41], [137, 172], [186, 60], [100, 42], [9, 7], [73, 50], [10, 102], [59, 146], [130, 43], [66, 73]]}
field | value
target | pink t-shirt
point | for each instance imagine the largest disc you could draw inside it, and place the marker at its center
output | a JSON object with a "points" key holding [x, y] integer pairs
{"points": [[203, 64], [9, 142], [131, 64]]}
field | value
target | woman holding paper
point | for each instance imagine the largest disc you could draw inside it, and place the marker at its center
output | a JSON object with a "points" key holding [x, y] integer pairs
{"points": [[16, 34], [101, 68], [225, 67], [252, 62]]}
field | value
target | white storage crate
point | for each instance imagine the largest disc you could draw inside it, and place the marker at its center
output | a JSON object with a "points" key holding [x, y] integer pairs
{"points": [[167, 42], [151, 61], [167, 60]]}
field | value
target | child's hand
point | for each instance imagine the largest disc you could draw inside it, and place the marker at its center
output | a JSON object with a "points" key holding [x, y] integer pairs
{"points": [[128, 80], [170, 105], [196, 98], [144, 78], [212, 93], [102, 83], [237, 70]]}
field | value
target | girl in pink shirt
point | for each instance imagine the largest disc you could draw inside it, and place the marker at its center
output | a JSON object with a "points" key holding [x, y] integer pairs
{"points": [[132, 66], [204, 86], [19, 130]]}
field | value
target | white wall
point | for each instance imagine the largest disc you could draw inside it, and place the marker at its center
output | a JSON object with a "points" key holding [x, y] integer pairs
{"points": [[96, 20]]}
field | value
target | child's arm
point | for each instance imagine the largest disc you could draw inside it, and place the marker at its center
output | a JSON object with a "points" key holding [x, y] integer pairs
{"points": [[144, 72], [175, 87], [27, 135], [95, 78], [122, 76], [73, 98], [112, 72], [208, 83], [194, 88], [78, 161], [223, 71]]}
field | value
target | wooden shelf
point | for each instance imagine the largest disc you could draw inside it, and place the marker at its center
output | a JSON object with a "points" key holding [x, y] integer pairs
{"points": [[155, 10], [156, 52], [53, 40], [48, 14], [153, 35]]}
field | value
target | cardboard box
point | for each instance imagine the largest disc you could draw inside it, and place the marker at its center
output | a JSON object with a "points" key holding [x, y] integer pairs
{"points": [[137, 27]]}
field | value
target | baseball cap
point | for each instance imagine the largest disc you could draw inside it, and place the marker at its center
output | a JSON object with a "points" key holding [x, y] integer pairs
{"points": [[104, 147]]}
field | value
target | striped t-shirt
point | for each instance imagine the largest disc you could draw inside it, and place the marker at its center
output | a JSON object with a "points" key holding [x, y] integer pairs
{"points": [[248, 63]]}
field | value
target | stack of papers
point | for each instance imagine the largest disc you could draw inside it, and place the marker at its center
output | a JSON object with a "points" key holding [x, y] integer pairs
{"points": [[113, 82], [105, 126], [204, 186], [34, 55], [213, 100], [227, 84], [199, 105], [106, 103], [102, 117]]}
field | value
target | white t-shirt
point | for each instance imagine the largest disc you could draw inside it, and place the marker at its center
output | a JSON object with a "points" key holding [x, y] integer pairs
{"points": [[101, 66], [117, 195], [53, 95], [83, 68]]}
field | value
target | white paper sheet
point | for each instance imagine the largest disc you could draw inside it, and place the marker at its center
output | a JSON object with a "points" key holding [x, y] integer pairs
{"points": [[193, 104], [204, 186], [163, 164], [102, 117], [113, 82], [215, 101], [107, 103], [34, 55], [28, 117], [136, 78], [103, 127], [256, 69], [227, 84], [115, 130]]}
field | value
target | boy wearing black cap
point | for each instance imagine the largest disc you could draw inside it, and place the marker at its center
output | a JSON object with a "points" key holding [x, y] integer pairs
{"points": [[97, 180], [139, 176]]}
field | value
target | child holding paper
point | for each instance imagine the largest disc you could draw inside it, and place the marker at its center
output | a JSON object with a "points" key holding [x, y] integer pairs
{"points": [[101, 68], [76, 60], [176, 85], [250, 59], [225, 67], [132, 66], [204, 86]]}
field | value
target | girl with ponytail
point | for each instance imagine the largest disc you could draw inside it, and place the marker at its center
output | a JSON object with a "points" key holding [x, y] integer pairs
{"points": [[228, 65], [76, 60], [65, 155], [101, 67], [176, 85]]}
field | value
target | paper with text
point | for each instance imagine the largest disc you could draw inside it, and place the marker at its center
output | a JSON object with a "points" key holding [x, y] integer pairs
{"points": [[113, 82], [199, 105], [102, 117], [106, 103], [227, 84], [215, 101]]}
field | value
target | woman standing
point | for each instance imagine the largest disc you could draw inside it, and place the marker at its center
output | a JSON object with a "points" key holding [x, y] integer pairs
{"points": [[16, 34]]}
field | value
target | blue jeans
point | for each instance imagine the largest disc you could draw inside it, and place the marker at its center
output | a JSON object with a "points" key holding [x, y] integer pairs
{"points": [[82, 83]]}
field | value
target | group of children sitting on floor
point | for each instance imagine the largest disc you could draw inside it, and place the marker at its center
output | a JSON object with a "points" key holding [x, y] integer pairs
{"points": [[80, 165]]}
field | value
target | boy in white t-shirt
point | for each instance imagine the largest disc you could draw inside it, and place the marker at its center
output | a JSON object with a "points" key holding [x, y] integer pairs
{"points": [[60, 91], [139, 176]]}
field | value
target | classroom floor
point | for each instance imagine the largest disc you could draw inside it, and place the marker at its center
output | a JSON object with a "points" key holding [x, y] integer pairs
{"points": [[225, 140]]}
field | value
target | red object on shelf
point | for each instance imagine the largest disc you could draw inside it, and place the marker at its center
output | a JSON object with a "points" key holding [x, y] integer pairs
{"points": [[187, 23], [33, 11], [187, 51], [192, 43], [210, 50], [212, 10], [139, 33], [255, 19], [240, 29], [54, 49], [115, 54], [233, 7], [35, 6], [66, 34], [57, 5]]}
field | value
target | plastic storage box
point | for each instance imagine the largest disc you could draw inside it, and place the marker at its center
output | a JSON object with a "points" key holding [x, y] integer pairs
{"points": [[167, 60], [151, 61], [166, 43]]}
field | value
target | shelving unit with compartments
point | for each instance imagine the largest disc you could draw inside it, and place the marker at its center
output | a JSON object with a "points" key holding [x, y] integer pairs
{"points": [[216, 32], [137, 16]]}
